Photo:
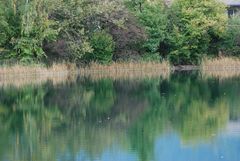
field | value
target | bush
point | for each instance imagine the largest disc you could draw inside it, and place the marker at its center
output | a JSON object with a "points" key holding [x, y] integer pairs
{"points": [[28, 29], [24, 27], [151, 57], [194, 25], [103, 48], [152, 15], [78, 20], [231, 44]]}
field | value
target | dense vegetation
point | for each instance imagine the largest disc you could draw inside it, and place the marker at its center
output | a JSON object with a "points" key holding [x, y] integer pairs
{"points": [[83, 31]]}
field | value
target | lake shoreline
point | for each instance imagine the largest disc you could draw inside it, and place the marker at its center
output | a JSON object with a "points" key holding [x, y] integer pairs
{"points": [[19, 75], [119, 69]]}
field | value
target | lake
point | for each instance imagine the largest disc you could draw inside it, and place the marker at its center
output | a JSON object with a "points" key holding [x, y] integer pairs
{"points": [[183, 117]]}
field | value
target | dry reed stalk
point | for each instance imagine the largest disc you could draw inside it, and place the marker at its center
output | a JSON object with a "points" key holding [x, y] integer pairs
{"points": [[38, 69], [20, 75], [34, 80], [126, 70], [223, 67]]}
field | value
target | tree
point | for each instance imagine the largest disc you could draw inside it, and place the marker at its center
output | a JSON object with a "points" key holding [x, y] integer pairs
{"points": [[25, 25], [194, 25], [153, 17]]}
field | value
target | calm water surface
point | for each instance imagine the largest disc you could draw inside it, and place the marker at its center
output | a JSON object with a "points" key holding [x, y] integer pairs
{"points": [[185, 117]]}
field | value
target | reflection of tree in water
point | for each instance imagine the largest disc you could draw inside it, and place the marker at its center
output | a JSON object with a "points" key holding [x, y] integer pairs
{"points": [[185, 104], [88, 100], [42, 120], [193, 111], [90, 116]]}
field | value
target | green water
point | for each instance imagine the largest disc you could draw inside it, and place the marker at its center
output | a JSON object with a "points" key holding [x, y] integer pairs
{"points": [[181, 118]]}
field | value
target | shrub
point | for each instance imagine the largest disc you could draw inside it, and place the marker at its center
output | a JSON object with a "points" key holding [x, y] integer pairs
{"points": [[78, 20], [231, 44], [103, 47], [194, 25], [151, 57], [24, 27], [153, 16]]}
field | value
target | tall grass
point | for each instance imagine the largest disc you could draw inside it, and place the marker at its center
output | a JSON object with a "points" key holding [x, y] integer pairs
{"points": [[36, 69], [19, 75], [129, 70], [222, 67]]}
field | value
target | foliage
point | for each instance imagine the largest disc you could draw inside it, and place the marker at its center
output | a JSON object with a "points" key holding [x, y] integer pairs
{"points": [[194, 25], [153, 17], [103, 47], [231, 44], [70, 15], [25, 27], [78, 21], [183, 32], [151, 57]]}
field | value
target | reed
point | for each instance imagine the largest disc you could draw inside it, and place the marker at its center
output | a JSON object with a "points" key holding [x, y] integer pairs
{"points": [[222, 67], [19, 75], [35, 80], [36, 69], [127, 70]]}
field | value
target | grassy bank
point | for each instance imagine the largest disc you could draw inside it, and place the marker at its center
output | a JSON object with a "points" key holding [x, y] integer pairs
{"points": [[36, 69], [127, 70], [19, 74], [223, 67]]}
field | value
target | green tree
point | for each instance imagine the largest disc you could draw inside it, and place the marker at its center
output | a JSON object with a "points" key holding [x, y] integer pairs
{"points": [[25, 26], [231, 44], [194, 25], [153, 17]]}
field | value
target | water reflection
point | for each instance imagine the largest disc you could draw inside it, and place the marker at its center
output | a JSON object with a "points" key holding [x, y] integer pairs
{"points": [[183, 117]]}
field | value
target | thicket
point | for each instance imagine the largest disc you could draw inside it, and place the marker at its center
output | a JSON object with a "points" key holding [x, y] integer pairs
{"points": [[102, 30], [31, 30], [24, 25], [195, 25], [183, 31], [231, 44]]}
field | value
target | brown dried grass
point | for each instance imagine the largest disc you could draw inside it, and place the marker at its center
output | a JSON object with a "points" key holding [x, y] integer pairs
{"points": [[127, 70], [19, 75], [222, 67]]}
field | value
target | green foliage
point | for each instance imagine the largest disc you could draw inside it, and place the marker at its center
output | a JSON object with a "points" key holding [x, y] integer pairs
{"points": [[26, 49], [78, 20], [231, 44], [25, 25], [70, 15], [194, 25], [183, 32], [103, 47], [153, 17], [151, 57]]}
